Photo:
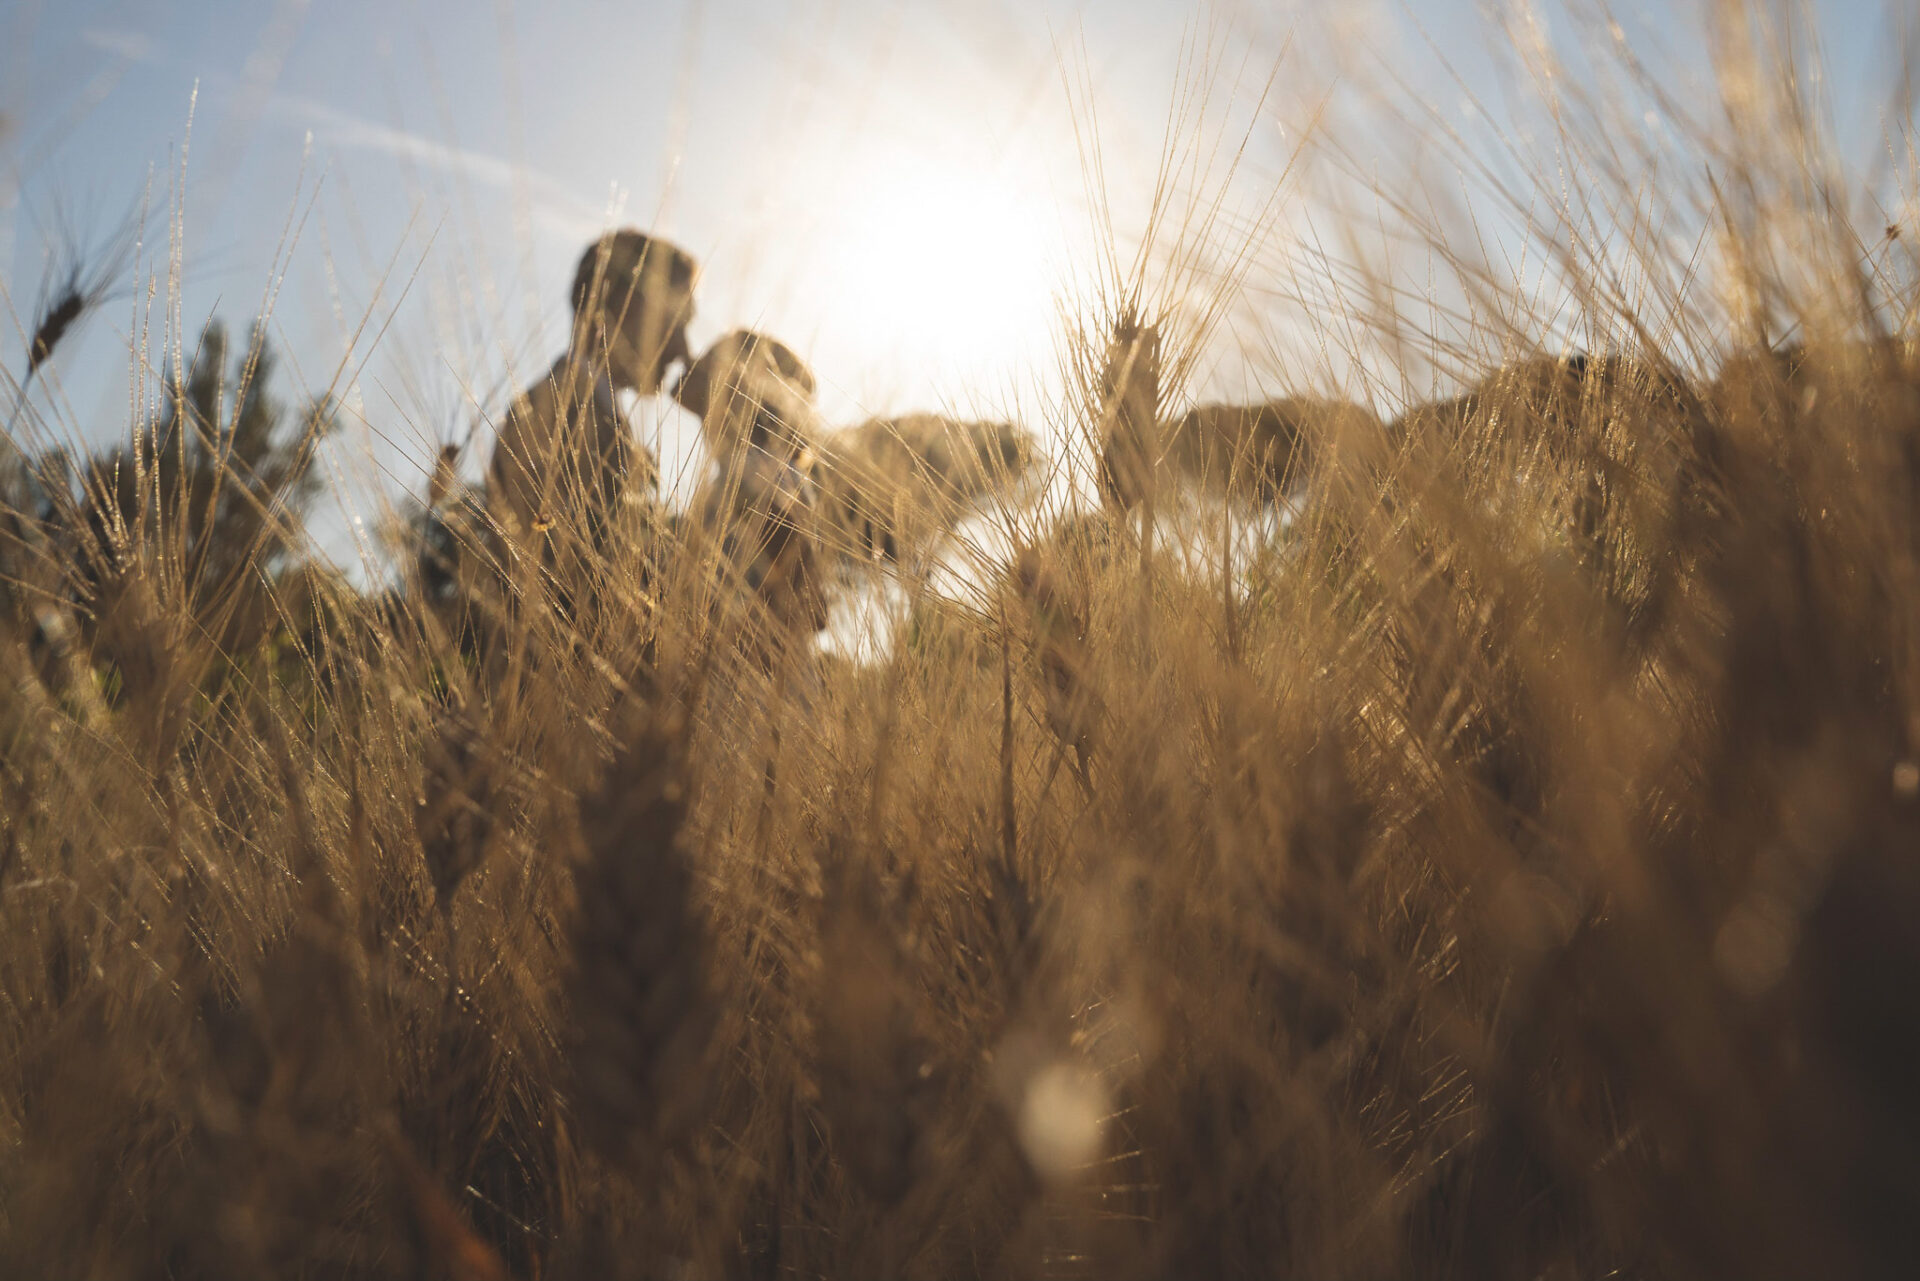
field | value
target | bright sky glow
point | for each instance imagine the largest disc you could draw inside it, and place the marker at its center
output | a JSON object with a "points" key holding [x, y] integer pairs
{"points": [[895, 187], [941, 267]]}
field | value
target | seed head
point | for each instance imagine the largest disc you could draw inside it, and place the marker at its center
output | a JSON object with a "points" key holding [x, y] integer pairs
{"points": [[643, 1016]]}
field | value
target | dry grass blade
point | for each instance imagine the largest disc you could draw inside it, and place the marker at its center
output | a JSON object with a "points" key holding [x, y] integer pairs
{"points": [[874, 1066], [454, 817], [449, 1247], [1059, 629]]}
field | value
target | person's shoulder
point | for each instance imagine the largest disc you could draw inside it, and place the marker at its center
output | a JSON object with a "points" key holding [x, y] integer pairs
{"points": [[555, 390], [605, 402]]}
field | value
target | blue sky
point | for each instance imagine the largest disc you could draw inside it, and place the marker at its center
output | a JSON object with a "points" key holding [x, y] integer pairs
{"points": [[485, 144], [895, 188]]}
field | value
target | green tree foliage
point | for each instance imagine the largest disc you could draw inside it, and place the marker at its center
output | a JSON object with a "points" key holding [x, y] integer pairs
{"points": [[210, 501]]}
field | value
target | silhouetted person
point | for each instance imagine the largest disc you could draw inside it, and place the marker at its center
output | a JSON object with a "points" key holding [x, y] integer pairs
{"points": [[566, 459], [759, 507]]}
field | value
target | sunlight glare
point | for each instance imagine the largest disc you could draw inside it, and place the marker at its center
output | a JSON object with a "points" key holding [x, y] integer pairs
{"points": [[940, 268]]}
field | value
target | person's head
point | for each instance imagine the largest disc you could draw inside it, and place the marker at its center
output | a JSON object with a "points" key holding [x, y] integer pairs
{"points": [[750, 390], [632, 299]]}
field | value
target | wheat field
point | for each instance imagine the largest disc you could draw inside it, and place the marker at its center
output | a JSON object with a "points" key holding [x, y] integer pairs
{"points": [[1385, 834]]}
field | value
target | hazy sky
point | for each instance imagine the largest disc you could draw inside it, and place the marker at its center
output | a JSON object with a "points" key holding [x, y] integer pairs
{"points": [[897, 189]]}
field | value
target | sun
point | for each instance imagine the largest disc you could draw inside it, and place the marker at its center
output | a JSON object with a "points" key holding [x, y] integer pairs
{"points": [[939, 270]]}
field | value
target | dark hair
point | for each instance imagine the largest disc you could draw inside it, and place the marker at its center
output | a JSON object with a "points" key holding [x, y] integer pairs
{"points": [[694, 388], [617, 264]]}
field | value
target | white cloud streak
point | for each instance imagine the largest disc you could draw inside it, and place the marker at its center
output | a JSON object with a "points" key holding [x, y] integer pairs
{"points": [[130, 46], [557, 207]]}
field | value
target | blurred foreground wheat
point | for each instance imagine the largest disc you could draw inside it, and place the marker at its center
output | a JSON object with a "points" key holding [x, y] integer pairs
{"points": [[1505, 867]]}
